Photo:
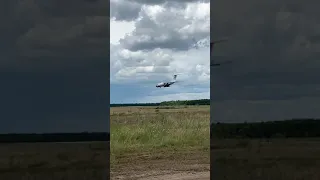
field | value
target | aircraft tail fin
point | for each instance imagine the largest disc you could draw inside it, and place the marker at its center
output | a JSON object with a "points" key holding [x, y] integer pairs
{"points": [[215, 42], [175, 76], [211, 49]]}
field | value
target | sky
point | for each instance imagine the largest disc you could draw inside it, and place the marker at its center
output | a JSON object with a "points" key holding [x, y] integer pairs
{"points": [[274, 46], [54, 66], [150, 41], [54, 59]]}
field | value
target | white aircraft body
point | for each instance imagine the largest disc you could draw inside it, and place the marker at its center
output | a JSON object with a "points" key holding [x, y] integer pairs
{"points": [[167, 84]]}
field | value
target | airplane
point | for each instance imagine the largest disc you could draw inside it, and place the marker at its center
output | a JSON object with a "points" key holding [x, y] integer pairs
{"points": [[167, 84], [211, 49]]}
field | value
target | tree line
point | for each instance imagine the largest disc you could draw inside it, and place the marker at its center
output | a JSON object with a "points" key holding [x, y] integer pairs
{"points": [[134, 104], [296, 128], [186, 102], [55, 137], [168, 103]]}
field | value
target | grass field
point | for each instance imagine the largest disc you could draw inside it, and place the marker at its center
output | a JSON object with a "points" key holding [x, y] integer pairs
{"points": [[146, 142], [163, 143], [51, 161], [280, 159], [154, 140]]}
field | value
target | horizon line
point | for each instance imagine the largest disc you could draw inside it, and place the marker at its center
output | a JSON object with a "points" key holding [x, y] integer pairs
{"points": [[155, 102]]}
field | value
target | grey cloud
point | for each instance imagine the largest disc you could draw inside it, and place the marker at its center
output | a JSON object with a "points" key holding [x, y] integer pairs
{"points": [[150, 35], [258, 28], [257, 111], [123, 10], [60, 101], [63, 35], [54, 66], [155, 2], [274, 47], [30, 32], [73, 8]]}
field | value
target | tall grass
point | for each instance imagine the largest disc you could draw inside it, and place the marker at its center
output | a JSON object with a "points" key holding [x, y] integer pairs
{"points": [[157, 130]]}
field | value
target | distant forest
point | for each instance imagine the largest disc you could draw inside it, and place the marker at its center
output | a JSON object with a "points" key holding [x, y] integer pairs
{"points": [[168, 103], [299, 128], [54, 137]]}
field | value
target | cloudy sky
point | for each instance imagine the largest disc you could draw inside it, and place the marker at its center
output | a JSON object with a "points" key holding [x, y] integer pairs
{"points": [[54, 66], [152, 40], [274, 46]]}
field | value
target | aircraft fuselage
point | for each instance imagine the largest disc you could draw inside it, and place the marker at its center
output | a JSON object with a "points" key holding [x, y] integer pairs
{"points": [[168, 84]]}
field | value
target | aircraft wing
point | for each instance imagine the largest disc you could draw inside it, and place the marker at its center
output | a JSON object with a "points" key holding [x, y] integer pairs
{"points": [[218, 64], [215, 42]]}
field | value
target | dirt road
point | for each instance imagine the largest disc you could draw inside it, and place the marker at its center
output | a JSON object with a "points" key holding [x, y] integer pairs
{"points": [[181, 166], [167, 175], [181, 176]]}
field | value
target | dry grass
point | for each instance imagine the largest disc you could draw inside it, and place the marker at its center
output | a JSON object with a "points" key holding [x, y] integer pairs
{"points": [[280, 159], [150, 138], [32, 161]]}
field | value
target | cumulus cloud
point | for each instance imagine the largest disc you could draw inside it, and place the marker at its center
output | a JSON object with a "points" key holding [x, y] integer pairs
{"points": [[156, 2], [54, 65], [69, 35], [34, 30], [167, 38], [172, 28], [123, 10], [274, 49]]}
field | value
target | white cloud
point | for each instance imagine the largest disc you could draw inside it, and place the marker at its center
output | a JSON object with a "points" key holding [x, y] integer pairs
{"points": [[198, 11], [118, 30]]}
